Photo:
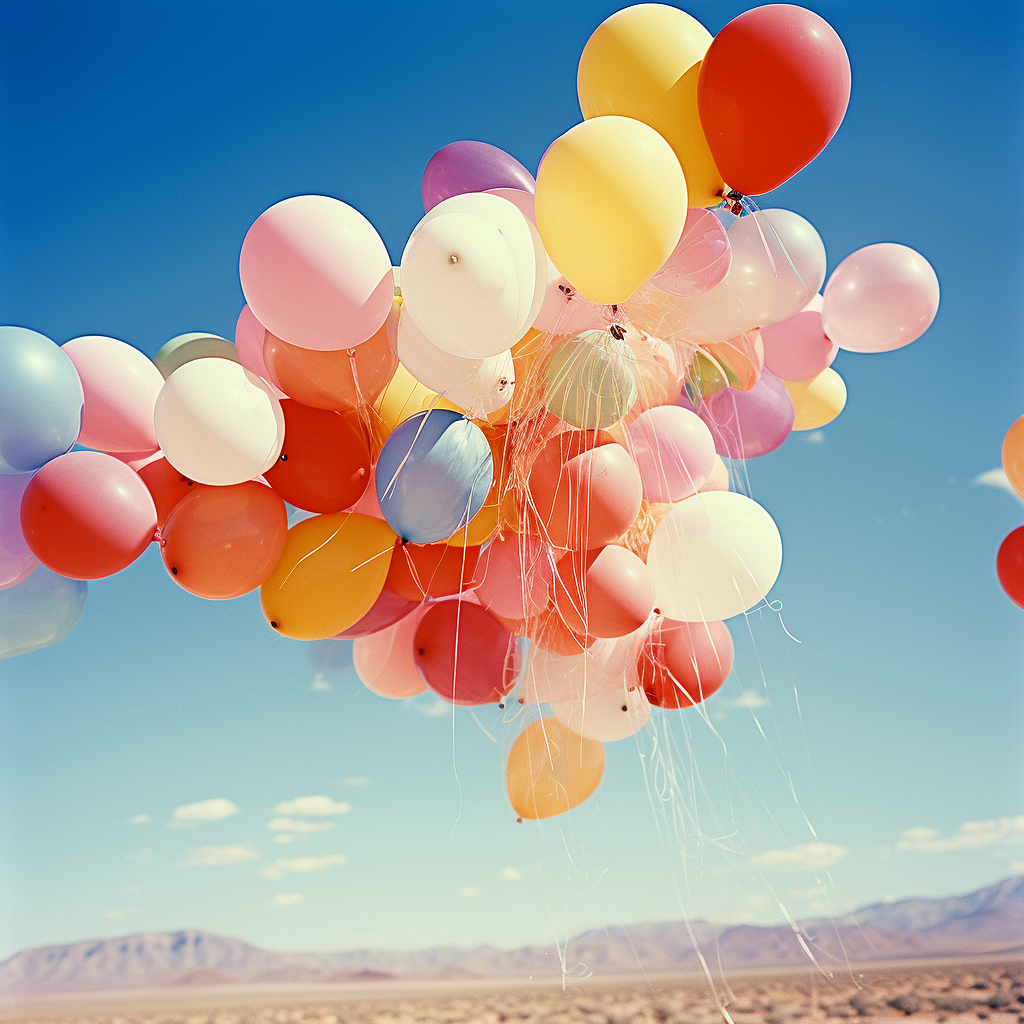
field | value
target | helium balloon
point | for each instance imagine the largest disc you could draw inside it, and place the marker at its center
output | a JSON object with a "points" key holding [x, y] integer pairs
{"points": [[797, 348], [386, 611], [682, 663], [1013, 456], [719, 478], [217, 423], [515, 575], [674, 451], [403, 397], [606, 717], [316, 274], [249, 337], [817, 401], [87, 515], [611, 205], [16, 558], [880, 298], [713, 556], [222, 542], [166, 487], [384, 661], [1010, 566], [741, 358], [39, 611], [41, 400], [748, 424], [330, 575], [578, 674], [567, 311], [644, 62], [551, 769], [701, 259], [773, 89], [549, 632], [419, 571], [186, 347], [469, 166], [433, 475]]}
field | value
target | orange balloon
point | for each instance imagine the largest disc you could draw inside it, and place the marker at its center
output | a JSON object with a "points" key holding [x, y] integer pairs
{"points": [[166, 487], [222, 542], [1013, 456], [431, 570], [551, 769]]}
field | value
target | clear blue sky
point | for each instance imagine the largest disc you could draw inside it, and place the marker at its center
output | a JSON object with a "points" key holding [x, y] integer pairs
{"points": [[138, 142]]}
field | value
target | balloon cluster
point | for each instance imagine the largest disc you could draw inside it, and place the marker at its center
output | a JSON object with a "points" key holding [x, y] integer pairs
{"points": [[510, 449], [1010, 557]]}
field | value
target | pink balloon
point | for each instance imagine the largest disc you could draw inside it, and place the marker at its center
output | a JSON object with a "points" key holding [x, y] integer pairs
{"points": [[674, 451], [384, 661], [746, 424], [515, 576], [719, 478], [516, 196], [120, 385], [388, 609], [880, 298], [797, 348], [249, 335], [16, 559], [316, 274], [701, 258], [470, 166], [566, 311]]}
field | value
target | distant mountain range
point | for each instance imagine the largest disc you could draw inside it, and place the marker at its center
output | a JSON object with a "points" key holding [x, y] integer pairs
{"points": [[990, 921]]}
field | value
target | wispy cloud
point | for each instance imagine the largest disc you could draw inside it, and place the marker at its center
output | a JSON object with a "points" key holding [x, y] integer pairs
{"points": [[808, 857], [815, 437], [511, 874], [216, 855], [300, 865], [972, 835], [120, 913], [749, 699], [996, 478], [287, 899], [320, 683], [313, 805], [354, 780], [205, 810], [435, 709], [139, 819], [286, 837], [297, 825], [469, 892]]}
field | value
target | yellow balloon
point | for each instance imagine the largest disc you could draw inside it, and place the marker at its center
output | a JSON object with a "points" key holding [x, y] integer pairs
{"points": [[332, 570], [610, 206], [643, 62], [551, 769], [403, 397], [817, 401]]}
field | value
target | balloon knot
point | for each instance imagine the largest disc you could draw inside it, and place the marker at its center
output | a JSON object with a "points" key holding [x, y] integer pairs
{"points": [[453, 259], [273, 623], [617, 331], [174, 570], [284, 458]]}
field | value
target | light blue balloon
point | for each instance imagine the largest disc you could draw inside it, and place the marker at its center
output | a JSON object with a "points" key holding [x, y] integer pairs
{"points": [[39, 611], [41, 401], [433, 475]]}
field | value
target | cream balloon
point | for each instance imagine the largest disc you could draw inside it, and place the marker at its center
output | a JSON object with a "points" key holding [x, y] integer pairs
{"points": [[714, 555], [607, 716], [217, 423], [186, 347]]}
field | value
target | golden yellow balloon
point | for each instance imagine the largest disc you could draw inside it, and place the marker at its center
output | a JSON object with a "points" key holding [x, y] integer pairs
{"points": [[332, 570], [552, 769], [817, 401], [403, 397], [1013, 456], [610, 206], [643, 62]]}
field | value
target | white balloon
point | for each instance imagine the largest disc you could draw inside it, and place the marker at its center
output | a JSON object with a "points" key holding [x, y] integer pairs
{"points": [[715, 555], [607, 716], [217, 423]]}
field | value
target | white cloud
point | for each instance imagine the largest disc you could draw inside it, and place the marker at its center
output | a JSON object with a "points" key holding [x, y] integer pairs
{"points": [[285, 837], [972, 835], [815, 437], [749, 699], [438, 709], [120, 913], [319, 683], [205, 810], [140, 819], [297, 825], [469, 891], [996, 478], [354, 780], [215, 855], [1017, 867], [808, 857], [300, 865], [287, 899], [314, 805], [511, 874]]}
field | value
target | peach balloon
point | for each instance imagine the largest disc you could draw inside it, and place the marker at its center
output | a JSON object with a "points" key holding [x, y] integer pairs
{"points": [[249, 338], [1013, 456], [384, 660], [515, 574]]}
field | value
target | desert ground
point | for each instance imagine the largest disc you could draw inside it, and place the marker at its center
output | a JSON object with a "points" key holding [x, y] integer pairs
{"points": [[931, 993]]}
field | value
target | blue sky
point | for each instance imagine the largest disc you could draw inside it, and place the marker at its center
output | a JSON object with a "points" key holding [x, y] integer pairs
{"points": [[140, 141]]}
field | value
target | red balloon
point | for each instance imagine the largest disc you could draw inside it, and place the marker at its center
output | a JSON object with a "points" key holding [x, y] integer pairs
{"points": [[431, 570], [682, 663], [773, 88], [388, 609], [1010, 566], [485, 665], [86, 515], [166, 486], [325, 462]]}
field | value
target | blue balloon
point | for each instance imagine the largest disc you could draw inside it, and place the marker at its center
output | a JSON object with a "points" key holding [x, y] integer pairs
{"points": [[39, 611], [41, 401], [433, 475]]}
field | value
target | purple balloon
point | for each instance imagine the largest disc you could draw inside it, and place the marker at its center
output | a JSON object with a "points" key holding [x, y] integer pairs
{"points": [[701, 259], [462, 167], [746, 424]]}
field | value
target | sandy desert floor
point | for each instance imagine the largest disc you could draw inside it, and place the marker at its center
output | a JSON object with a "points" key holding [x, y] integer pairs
{"points": [[944, 994]]}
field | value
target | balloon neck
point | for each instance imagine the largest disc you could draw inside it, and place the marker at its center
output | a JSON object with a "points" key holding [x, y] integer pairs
{"points": [[733, 200]]}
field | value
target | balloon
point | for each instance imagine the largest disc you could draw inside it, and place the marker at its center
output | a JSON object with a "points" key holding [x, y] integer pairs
{"points": [[880, 298], [551, 769], [324, 465], [797, 348], [674, 451], [772, 91], [433, 475], [550, 633], [515, 575], [464, 654], [682, 663], [741, 358], [166, 487], [186, 347], [701, 259], [330, 575], [713, 556], [1013, 456], [316, 274], [719, 478], [384, 660], [605, 592], [611, 205], [606, 717], [1010, 566], [468, 166], [567, 311], [405, 396], [87, 515], [644, 62], [222, 542], [249, 337], [386, 611], [41, 400], [16, 558], [39, 611], [817, 401], [217, 423], [419, 571], [748, 424], [579, 674]]}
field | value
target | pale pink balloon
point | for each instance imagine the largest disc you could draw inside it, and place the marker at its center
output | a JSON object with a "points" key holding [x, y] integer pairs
{"points": [[249, 335], [797, 348], [316, 274], [524, 200], [719, 478], [385, 662], [701, 258], [674, 451], [566, 311], [880, 298], [121, 385], [515, 576], [16, 559]]}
